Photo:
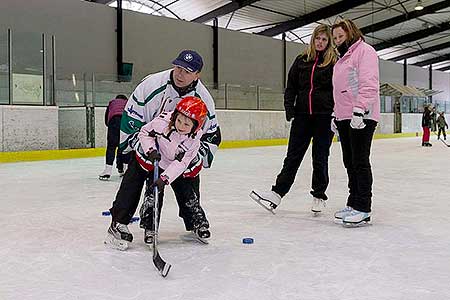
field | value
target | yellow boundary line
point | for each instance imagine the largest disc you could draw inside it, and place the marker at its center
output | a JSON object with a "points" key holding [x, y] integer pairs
{"points": [[9, 157]]}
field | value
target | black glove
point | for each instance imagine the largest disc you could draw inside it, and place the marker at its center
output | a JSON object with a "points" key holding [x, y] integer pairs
{"points": [[153, 156], [160, 183], [290, 113]]}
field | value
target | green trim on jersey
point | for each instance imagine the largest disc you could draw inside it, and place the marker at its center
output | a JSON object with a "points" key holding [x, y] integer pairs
{"points": [[130, 125], [153, 94]]}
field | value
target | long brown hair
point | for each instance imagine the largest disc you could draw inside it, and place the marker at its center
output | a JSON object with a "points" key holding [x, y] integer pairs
{"points": [[329, 55], [353, 32]]}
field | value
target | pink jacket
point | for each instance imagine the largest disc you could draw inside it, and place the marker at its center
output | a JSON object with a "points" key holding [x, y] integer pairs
{"points": [[356, 82], [177, 150]]}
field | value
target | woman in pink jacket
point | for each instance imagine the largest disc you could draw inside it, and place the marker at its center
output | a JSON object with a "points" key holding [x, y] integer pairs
{"points": [[172, 138], [357, 111]]}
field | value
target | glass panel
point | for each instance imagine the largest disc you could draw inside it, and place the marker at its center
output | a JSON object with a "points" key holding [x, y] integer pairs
{"points": [[107, 87], [4, 91], [239, 97], [27, 68], [73, 90], [388, 104], [270, 99]]}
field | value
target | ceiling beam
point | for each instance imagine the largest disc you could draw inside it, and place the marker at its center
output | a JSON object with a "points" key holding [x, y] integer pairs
{"points": [[433, 60], [405, 17], [422, 51], [413, 36], [446, 68], [223, 10], [322, 13], [106, 2]]}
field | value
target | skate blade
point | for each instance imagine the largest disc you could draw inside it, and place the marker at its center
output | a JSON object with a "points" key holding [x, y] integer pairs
{"points": [[260, 200], [363, 223], [337, 221], [316, 213], [114, 243], [103, 179], [192, 237]]}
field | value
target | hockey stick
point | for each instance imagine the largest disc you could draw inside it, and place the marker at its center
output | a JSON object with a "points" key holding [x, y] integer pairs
{"points": [[448, 145], [162, 266]]}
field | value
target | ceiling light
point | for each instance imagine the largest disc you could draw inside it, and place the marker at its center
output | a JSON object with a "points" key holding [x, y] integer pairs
{"points": [[419, 5]]}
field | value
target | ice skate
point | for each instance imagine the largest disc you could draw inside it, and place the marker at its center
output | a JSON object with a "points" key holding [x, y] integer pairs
{"points": [[317, 206], [122, 170], [118, 236], [197, 235], [269, 200], [106, 174], [340, 214], [356, 218], [148, 236]]}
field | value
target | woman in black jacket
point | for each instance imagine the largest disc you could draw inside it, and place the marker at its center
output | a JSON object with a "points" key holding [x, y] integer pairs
{"points": [[308, 102]]}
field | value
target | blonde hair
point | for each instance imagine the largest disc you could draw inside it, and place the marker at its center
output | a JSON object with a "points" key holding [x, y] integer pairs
{"points": [[353, 32], [329, 55]]}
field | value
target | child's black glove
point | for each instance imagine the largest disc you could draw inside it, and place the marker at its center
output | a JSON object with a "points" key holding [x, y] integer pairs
{"points": [[153, 156]]}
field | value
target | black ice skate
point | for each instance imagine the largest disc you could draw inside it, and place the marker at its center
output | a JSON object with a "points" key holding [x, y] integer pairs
{"points": [[118, 236], [148, 236], [104, 177], [197, 235]]}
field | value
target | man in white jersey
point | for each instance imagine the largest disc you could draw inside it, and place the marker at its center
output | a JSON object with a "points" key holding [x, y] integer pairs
{"points": [[160, 92]]}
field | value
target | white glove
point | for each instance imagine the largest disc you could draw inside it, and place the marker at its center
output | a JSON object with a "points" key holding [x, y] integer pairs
{"points": [[333, 126], [357, 121]]}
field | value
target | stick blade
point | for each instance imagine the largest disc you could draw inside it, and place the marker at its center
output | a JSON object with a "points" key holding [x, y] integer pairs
{"points": [[162, 266]]}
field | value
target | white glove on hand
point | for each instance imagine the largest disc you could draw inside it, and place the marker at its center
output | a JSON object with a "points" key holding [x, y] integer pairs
{"points": [[357, 121], [333, 125]]}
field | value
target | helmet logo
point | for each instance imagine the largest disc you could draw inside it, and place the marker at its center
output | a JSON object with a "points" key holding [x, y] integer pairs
{"points": [[188, 57]]}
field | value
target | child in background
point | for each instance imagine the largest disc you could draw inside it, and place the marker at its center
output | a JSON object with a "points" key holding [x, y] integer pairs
{"points": [[173, 138], [113, 117], [442, 124]]}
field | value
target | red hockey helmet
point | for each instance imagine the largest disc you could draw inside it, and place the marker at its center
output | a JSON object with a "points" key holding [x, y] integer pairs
{"points": [[195, 109]]}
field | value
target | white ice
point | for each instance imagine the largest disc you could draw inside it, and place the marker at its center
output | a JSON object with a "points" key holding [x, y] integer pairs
{"points": [[52, 233]]}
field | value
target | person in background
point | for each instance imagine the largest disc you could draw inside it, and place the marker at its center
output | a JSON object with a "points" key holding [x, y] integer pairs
{"points": [[308, 102], [442, 124], [113, 117], [426, 125], [357, 111], [433, 119]]}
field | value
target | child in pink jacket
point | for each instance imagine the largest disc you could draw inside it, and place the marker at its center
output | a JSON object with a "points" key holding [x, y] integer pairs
{"points": [[172, 138], [357, 111]]}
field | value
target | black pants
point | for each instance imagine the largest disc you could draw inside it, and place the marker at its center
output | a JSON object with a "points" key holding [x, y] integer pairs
{"points": [[303, 129], [187, 193], [113, 140], [442, 130], [356, 144]]}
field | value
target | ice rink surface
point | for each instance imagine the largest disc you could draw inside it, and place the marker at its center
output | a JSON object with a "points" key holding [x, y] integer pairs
{"points": [[52, 233]]}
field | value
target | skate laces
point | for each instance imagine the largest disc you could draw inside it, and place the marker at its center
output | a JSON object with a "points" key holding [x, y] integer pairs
{"points": [[345, 209], [122, 228]]}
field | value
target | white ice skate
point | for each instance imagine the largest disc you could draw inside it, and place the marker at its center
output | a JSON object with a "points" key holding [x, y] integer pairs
{"points": [[356, 218], [269, 200], [118, 236], [106, 174], [317, 205], [340, 214]]}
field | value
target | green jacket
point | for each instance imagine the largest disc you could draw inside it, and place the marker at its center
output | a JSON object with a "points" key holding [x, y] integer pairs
{"points": [[441, 122]]}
